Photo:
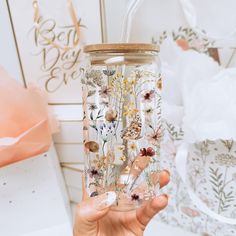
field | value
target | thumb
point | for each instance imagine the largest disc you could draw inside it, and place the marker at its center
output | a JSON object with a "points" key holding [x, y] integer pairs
{"points": [[91, 210]]}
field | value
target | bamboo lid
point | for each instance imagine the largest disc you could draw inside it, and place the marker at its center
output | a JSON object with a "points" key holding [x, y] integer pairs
{"points": [[121, 47]]}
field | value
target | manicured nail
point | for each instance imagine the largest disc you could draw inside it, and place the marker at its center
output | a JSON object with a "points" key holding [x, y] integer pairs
{"points": [[105, 200], [166, 195], [163, 198], [167, 172]]}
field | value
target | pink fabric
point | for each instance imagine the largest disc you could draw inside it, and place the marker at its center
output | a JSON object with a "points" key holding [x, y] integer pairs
{"points": [[25, 126]]}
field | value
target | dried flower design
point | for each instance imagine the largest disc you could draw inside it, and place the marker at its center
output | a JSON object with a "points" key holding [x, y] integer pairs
{"points": [[94, 173], [96, 76], [105, 91], [183, 43], [159, 84], [154, 138], [133, 147], [226, 159], [130, 110], [187, 38], [133, 131], [137, 74], [190, 212], [121, 147], [92, 146], [148, 111], [93, 107], [94, 194], [147, 152], [105, 102], [197, 171], [111, 115], [123, 158], [100, 162], [109, 72], [148, 96], [107, 131], [135, 197]]}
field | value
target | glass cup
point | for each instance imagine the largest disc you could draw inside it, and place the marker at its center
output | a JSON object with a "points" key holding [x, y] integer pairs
{"points": [[122, 122]]}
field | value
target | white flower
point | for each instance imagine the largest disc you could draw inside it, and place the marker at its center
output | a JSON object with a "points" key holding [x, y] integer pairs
{"points": [[197, 171]]}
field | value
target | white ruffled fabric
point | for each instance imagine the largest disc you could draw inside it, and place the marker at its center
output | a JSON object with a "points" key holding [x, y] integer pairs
{"points": [[198, 94]]}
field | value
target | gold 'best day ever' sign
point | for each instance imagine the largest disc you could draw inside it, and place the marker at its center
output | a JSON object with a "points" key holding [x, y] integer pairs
{"points": [[49, 37], [59, 60]]}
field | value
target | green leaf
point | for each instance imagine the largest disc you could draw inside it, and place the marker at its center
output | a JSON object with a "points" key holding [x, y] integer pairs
{"points": [[91, 93], [214, 183], [94, 127], [229, 200], [219, 176], [230, 193], [216, 191], [91, 116], [215, 179]]}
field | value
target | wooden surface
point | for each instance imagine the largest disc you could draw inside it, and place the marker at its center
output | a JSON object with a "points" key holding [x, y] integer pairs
{"points": [[121, 47]]}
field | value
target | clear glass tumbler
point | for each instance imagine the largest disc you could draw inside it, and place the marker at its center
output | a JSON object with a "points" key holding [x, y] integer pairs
{"points": [[122, 122]]}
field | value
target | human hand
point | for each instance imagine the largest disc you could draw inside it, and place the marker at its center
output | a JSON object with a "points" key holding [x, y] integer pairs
{"points": [[94, 217]]}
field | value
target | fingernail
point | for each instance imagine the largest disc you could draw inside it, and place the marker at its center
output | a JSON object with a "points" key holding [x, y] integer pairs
{"points": [[105, 200], [166, 195], [163, 198], [167, 172]]}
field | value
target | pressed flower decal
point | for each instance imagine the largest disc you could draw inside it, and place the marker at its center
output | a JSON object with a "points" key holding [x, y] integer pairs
{"points": [[107, 131], [94, 77], [92, 146], [147, 152], [120, 109], [111, 115], [148, 96], [93, 107], [105, 91], [109, 72], [94, 194], [123, 158], [130, 110], [121, 147], [135, 197], [148, 111], [94, 173], [133, 131], [154, 137], [133, 147]]}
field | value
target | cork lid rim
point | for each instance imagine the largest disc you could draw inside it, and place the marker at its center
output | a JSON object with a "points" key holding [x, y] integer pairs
{"points": [[121, 47]]}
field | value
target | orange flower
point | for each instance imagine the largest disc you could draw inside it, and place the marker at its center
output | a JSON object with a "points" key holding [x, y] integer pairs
{"points": [[183, 43]]}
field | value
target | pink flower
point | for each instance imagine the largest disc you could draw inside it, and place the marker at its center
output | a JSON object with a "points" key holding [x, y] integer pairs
{"points": [[190, 212], [148, 96], [183, 43], [154, 137], [147, 152]]}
